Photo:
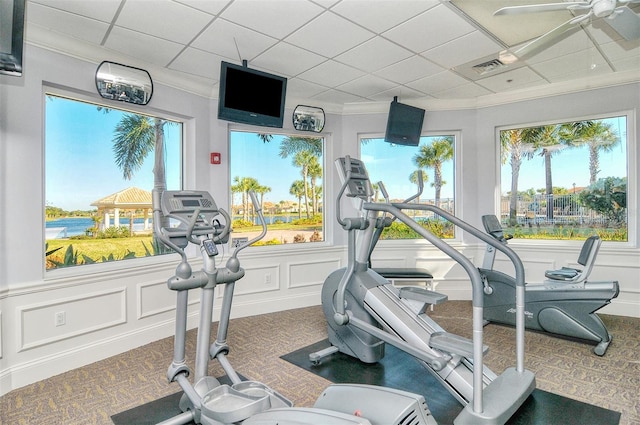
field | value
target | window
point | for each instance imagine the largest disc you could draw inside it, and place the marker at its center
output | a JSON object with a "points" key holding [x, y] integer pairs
{"points": [[286, 173], [565, 180], [99, 175], [397, 167]]}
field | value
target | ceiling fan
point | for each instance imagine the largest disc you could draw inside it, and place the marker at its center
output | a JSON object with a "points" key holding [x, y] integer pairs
{"points": [[621, 18]]}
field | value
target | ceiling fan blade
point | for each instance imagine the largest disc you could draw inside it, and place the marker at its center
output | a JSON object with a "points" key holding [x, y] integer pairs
{"points": [[544, 39], [626, 23], [535, 8]]}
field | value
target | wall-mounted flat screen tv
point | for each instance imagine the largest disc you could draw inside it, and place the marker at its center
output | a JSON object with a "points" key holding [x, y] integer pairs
{"points": [[250, 96], [11, 36], [404, 124]]}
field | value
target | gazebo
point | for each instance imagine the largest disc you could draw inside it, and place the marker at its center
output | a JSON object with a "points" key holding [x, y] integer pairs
{"points": [[128, 200]]}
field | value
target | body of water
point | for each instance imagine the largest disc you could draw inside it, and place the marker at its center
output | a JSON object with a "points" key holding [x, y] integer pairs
{"points": [[73, 226], [271, 219]]}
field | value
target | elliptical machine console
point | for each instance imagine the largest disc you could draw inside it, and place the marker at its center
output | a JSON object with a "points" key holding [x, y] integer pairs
{"points": [[206, 401]]}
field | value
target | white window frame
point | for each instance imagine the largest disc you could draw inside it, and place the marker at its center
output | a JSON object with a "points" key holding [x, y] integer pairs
{"points": [[188, 181], [633, 185], [328, 202]]}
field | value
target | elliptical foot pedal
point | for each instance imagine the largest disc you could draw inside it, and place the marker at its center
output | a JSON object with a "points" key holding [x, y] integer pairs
{"points": [[454, 344], [423, 295]]}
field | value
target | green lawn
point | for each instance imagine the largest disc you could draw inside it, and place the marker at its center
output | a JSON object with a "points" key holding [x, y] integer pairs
{"points": [[98, 248]]}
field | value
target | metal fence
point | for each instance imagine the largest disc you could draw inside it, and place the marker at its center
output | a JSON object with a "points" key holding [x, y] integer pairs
{"points": [[551, 210]]}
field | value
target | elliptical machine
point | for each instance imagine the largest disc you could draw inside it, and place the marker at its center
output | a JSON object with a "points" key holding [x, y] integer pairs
{"points": [[206, 401], [565, 304], [364, 311]]}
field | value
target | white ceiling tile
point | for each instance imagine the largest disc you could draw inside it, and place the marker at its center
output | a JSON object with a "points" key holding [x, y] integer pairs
{"points": [[335, 96], [278, 60], [190, 37], [461, 92], [298, 89], [430, 29], [512, 29], [368, 13], [511, 80], [331, 74], [462, 50], [103, 10], [403, 92], [179, 23], [367, 86], [325, 3], [67, 23], [437, 83], [198, 62], [621, 49], [410, 69], [570, 42], [275, 18], [210, 6], [374, 55], [576, 65], [627, 64], [232, 41], [141, 46], [329, 35]]}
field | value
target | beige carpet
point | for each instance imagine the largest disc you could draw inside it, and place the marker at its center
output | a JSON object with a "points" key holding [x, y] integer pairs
{"points": [[90, 395]]}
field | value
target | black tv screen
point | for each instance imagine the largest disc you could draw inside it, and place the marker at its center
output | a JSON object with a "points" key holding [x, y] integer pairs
{"points": [[11, 36], [250, 96], [404, 124]]}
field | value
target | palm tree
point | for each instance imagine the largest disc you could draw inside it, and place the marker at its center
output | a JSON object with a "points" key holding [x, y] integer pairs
{"points": [[292, 145], [303, 159], [315, 172], [433, 156], [297, 190], [305, 151], [244, 185], [262, 190], [135, 137], [599, 136], [548, 141], [514, 146]]}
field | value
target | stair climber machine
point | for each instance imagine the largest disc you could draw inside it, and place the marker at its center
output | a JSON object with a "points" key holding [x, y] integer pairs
{"points": [[565, 304], [364, 311], [191, 217]]}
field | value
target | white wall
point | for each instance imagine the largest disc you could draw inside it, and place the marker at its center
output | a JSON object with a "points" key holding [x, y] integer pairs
{"points": [[110, 311]]}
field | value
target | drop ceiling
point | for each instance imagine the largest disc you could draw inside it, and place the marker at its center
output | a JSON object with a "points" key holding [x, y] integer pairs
{"points": [[340, 53]]}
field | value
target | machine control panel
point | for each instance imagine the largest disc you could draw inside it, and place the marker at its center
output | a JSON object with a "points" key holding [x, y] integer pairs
{"points": [[181, 204], [359, 184]]}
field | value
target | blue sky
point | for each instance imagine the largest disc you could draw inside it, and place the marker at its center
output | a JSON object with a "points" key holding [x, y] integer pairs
{"points": [[80, 166], [393, 165]]}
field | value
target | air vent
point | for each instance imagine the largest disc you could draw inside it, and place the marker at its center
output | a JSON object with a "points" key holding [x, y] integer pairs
{"points": [[489, 66]]}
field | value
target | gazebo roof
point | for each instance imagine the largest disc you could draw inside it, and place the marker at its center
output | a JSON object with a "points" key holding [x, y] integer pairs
{"points": [[130, 198]]}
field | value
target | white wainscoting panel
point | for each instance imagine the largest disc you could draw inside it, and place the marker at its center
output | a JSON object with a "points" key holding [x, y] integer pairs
{"points": [[83, 314], [310, 273], [256, 279], [156, 298]]}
